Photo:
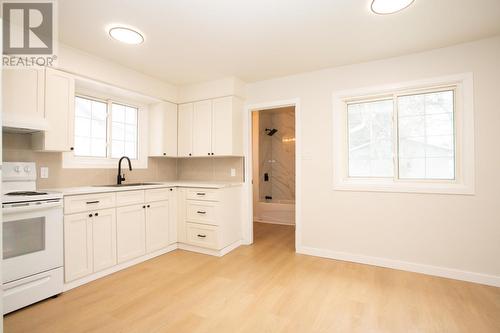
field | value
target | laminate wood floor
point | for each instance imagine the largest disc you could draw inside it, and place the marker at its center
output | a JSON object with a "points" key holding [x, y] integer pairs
{"points": [[265, 287]]}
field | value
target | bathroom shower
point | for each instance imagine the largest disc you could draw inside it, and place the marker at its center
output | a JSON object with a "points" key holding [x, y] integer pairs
{"points": [[271, 131]]}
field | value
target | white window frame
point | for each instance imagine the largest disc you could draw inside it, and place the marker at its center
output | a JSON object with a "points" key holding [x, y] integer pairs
{"points": [[87, 162], [464, 182]]}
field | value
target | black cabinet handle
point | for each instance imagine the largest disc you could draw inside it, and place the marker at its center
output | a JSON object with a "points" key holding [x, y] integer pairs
{"points": [[201, 236], [164, 154], [90, 215], [201, 212], [92, 202], [148, 206], [212, 153], [143, 206], [200, 193], [189, 154], [96, 214], [72, 148], [208, 153], [171, 189]]}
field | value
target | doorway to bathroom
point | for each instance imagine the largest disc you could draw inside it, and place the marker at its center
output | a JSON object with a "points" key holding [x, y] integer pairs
{"points": [[273, 175]]}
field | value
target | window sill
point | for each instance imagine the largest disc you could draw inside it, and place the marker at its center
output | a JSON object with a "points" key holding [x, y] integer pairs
{"points": [[385, 185]]}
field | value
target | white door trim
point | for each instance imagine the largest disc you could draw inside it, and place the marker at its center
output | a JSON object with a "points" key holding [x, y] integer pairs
{"points": [[247, 187]]}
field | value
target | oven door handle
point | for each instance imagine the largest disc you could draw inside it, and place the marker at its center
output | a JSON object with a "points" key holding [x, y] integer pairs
{"points": [[30, 208]]}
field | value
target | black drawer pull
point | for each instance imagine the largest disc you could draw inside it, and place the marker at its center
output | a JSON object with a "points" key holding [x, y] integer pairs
{"points": [[201, 212], [200, 193], [201, 236], [92, 202], [90, 215], [96, 214]]}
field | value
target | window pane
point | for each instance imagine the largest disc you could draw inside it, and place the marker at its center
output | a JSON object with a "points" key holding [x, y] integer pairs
{"points": [[90, 127], [124, 131], [370, 139], [426, 136]]}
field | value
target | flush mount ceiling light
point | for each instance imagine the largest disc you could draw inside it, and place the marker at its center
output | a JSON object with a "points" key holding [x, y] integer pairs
{"points": [[126, 35], [389, 6]]}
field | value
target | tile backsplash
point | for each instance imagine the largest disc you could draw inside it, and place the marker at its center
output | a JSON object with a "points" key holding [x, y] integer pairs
{"points": [[17, 148]]}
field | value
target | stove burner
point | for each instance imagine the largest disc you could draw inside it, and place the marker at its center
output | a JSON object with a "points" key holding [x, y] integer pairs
{"points": [[28, 193]]}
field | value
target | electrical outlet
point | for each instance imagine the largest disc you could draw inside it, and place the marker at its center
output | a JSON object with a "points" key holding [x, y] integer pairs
{"points": [[44, 172], [233, 172]]}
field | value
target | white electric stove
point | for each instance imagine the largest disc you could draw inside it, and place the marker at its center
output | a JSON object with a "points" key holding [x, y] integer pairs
{"points": [[32, 226]]}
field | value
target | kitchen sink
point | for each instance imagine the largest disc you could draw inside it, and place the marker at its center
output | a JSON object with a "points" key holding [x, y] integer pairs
{"points": [[129, 184]]}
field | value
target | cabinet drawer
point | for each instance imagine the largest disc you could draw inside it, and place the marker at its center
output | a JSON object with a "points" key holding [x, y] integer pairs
{"points": [[158, 194], [126, 198], [201, 212], [83, 203], [202, 194], [203, 235]]}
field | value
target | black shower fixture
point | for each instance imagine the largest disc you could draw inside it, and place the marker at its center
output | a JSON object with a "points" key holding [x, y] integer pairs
{"points": [[271, 131]]}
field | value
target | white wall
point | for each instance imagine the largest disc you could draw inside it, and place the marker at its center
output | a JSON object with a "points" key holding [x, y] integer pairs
{"points": [[87, 65], [448, 235]]}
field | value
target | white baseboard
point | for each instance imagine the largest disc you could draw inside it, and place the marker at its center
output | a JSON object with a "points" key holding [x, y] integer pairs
{"points": [[490, 280], [217, 253], [116, 268]]}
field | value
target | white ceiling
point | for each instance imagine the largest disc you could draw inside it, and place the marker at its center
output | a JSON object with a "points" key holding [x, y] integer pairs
{"points": [[190, 41]]}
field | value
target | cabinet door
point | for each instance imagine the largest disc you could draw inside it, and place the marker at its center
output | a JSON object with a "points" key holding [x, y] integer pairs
{"points": [[202, 128], [163, 129], [130, 232], [77, 246], [185, 130], [172, 232], [157, 225], [104, 239], [23, 97], [59, 110], [222, 126]]}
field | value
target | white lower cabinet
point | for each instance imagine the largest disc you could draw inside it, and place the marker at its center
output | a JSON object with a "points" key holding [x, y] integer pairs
{"points": [[104, 239], [209, 218], [133, 224], [130, 232], [89, 243], [77, 246], [157, 225]]}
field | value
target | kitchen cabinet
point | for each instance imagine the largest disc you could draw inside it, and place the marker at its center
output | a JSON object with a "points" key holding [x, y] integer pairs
{"points": [[185, 130], [77, 246], [209, 218], [211, 128], [157, 225], [202, 128], [89, 243], [23, 92], [103, 239], [227, 127], [59, 111], [163, 129], [130, 232]]}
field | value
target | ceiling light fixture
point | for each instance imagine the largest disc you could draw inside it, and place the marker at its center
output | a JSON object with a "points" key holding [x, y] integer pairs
{"points": [[126, 35], [389, 6]]}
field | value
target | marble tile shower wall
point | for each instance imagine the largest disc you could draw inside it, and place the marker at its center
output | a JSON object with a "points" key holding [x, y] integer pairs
{"points": [[277, 154]]}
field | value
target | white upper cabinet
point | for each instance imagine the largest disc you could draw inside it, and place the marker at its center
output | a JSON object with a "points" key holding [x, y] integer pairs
{"points": [[163, 129], [185, 130], [59, 113], [23, 98], [202, 128], [211, 128], [227, 130]]}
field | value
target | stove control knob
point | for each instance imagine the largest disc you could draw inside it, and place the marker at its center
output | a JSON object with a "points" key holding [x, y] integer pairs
{"points": [[27, 169], [17, 169]]}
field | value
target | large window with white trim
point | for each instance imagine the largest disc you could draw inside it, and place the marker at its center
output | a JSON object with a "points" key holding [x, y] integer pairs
{"points": [[105, 129], [409, 138]]}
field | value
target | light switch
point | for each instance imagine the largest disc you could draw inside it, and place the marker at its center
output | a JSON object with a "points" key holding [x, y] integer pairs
{"points": [[44, 172], [233, 172]]}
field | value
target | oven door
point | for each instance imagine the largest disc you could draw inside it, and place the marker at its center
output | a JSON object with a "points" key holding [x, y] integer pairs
{"points": [[32, 239]]}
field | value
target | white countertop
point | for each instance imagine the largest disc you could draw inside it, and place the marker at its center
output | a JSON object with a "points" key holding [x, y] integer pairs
{"points": [[103, 189]]}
